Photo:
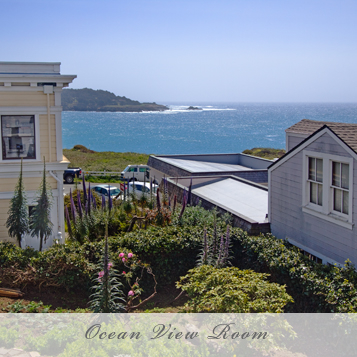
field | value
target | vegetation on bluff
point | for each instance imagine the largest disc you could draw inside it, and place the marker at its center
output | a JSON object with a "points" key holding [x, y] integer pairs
{"points": [[87, 99]]}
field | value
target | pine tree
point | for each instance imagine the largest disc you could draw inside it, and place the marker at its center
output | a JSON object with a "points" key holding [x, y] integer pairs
{"points": [[40, 222], [18, 221]]}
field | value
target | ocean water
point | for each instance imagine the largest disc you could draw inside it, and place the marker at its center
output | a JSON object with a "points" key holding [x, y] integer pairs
{"points": [[217, 128]]}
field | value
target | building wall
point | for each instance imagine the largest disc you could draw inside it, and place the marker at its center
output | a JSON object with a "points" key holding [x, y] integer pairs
{"points": [[289, 221], [44, 138], [25, 99]]}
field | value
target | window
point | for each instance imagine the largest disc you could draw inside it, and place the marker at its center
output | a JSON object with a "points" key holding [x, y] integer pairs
{"points": [[328, 187], [340, 186], [133, 169], [142, 169], [315, 180], [18, 137]]}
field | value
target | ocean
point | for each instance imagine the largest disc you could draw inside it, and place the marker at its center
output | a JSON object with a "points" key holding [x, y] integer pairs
{"points": [[217, 128]]}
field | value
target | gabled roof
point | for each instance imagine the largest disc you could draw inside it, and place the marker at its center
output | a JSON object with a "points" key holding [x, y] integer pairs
{"points": [[345, 131], [309, 139]]}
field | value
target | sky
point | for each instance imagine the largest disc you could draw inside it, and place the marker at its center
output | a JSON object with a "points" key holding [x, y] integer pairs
{"points": [[168, 51]]}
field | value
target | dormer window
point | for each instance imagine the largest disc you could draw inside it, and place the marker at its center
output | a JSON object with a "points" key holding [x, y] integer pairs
{"points": [[18, 137]]}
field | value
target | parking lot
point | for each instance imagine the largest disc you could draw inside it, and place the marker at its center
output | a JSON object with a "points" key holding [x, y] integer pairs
{"points": [[67, 187]]}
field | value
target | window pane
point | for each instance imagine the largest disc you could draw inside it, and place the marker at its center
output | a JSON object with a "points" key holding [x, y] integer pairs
{"points": [[18, 136], [311, 168], [345, 175], [336, 174], [337, 197], [313, 192], [319, 196], [345, 202], [319, 170]]}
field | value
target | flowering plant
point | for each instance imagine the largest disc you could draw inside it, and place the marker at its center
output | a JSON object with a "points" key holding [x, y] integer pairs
{"points": [[133, 265]]}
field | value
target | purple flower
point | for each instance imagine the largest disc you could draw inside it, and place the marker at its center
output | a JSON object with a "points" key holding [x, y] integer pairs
{"points": [[79, 204], [130, 255], [131, 293], [121, 255], [68, 221], [73, 207], [84, 188], [103, 202]]}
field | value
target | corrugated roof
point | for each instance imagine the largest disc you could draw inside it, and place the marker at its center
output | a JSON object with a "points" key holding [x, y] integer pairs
{"points": [[345, 131]]}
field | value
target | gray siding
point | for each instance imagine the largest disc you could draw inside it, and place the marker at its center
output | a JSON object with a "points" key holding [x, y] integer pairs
{"points": [[293, 141], [288, 220]]}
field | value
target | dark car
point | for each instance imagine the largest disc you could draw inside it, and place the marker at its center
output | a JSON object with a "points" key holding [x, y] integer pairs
{"points": [[70, 174]]}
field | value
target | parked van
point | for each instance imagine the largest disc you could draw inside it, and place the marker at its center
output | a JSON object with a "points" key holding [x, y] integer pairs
{"points": [[136, 173]]}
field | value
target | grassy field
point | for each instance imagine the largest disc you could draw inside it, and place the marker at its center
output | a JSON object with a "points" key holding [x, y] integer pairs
{"points": [[266, 153], [90, 160]]}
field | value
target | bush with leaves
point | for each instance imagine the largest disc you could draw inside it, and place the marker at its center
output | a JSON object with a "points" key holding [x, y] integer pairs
{"points": [[314, 287], [231, 290]]}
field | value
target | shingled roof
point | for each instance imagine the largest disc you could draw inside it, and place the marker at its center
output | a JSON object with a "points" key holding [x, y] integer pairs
{"points": [[345, 131]]}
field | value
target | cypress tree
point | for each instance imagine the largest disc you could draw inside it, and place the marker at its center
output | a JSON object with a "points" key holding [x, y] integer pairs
{"points": [[40, 220], [18, 220]]}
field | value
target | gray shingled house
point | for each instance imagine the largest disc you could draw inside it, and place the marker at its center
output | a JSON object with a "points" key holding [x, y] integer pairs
{"points": [[313, 190]]}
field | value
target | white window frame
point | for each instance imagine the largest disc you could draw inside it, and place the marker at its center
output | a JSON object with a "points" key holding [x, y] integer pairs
{"points": [[326, 211], [37, 137]]}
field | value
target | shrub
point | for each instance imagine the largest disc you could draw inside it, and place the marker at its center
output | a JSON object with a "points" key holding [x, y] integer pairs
{"points": [[231, 290], [171, 251], [314, 287]]}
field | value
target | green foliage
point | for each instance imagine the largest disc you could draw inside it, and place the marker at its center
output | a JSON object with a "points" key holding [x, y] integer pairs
{"points": [[170, 250], [8, 336], [231, 290], [17, 222], [13, 256], [31, 307], [314, 287], [106, 160], [265, 153], [40, 221], [87, 99], [108, 294]]}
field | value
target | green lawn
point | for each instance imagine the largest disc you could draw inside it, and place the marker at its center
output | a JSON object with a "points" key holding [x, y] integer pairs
{"points": [[90, 160]]}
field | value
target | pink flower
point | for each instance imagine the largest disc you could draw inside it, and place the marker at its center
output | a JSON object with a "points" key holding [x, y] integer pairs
{"points": [[123, 259], [121, 255], [100, 276], [131, 293], [124, 272], [110, 265], [130, 255]]}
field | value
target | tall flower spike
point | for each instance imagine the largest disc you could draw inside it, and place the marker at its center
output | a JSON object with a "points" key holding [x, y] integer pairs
{"points": [[158, 199], [80, 212], [227, 244], [68, 221], [189, 193], [89, 198], [73, 207], [110, 201], [103, 202], [84, 189], [175, 201]]}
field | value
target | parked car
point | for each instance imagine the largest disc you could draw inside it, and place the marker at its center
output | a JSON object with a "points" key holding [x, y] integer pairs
{"points": [[70, 174], [140, 188], [103, 190], [136, 173]]}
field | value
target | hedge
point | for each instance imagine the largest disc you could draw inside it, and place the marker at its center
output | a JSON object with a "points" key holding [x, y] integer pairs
{"points": [[314, 287]]}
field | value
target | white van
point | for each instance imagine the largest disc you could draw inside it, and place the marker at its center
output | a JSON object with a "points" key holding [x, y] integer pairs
{"points": [[136, 173]]}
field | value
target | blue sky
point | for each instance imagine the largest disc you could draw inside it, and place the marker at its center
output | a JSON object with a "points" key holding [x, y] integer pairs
{"points": [[187, 51]]}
